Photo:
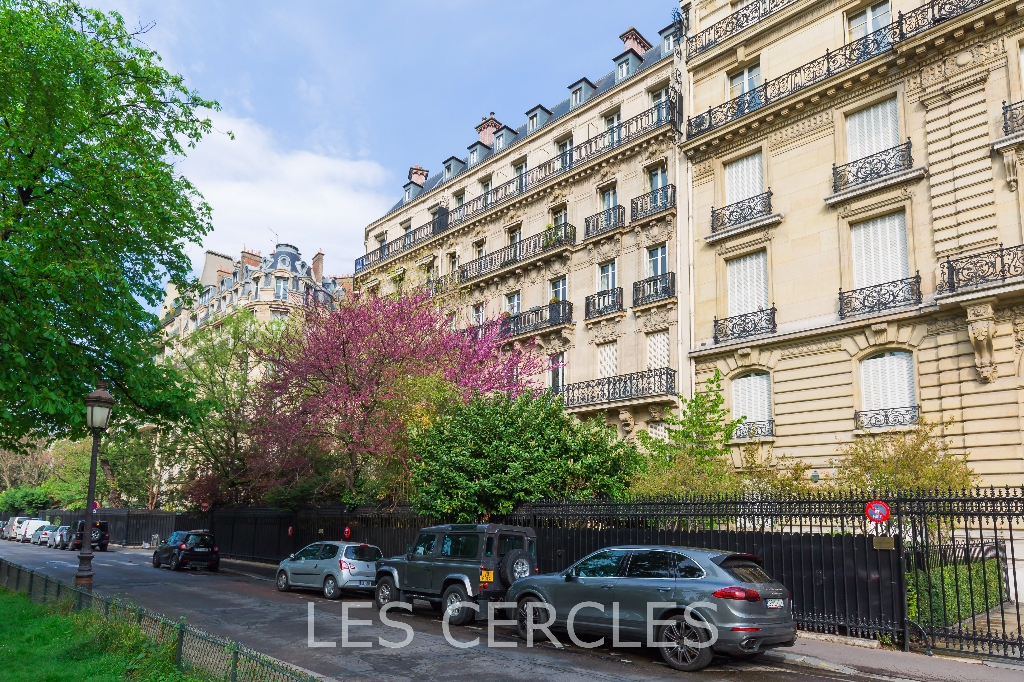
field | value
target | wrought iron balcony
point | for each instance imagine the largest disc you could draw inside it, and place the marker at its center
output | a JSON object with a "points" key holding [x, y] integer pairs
{"points": [[445, 283], [763, 429], [734, 23], [653, 202], [1013, 117], [603, 302], [741, 211], [606, 220], [654, 289], [980, 268], [874, 299], [562, 234], [890, 416], [741, 326], [440, 223], [872, 167], [550, 315], [621, 133], [661, 381]]}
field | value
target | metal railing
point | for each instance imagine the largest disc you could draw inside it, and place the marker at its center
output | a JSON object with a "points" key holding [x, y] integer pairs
{"points": [[886, 162], [980, 268], [890, 416], [653, 202], [832, 63], [1013, 117], [560, 235], [742, 326], [603, 302], [654, 289], [443, 284], [544, 316], [722, 30], [606, 220], [741, 212], [652, 382], [874, 299], [762, 429]]}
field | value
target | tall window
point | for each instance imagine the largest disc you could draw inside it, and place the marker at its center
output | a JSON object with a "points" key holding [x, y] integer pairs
{"points": [[752, 397], [657, 261], [280, 288], [744, 178], [577, 97], [887, 381], [745, 80], [869, 20], [448, 171], [607, 360], [472, 157], [485, 190], [407, 192], [478, 250], [460, 199], [556, 372], [560, 216], [657, 350], [609, 199], [453, 262], [559, 290], [669, 43], [532, 122], [565, 151], [880, 250], [515, 236], [478, 313], [611, 124], [623, 69], [872, 130], [658, 177], [748, 283], [606, 276], [512, 303], [520, 173]]}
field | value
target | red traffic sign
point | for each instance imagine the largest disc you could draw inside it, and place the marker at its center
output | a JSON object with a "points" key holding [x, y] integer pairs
{"points": [[289, 530], [95, 506], [347, 533], [877, 511], [204, 505]]}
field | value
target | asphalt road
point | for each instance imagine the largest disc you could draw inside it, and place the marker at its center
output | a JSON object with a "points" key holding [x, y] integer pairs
{"points": [[249, 609]]}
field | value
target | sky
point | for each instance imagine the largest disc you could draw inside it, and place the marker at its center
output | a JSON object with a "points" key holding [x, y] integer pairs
{"points": [[331, 102]]}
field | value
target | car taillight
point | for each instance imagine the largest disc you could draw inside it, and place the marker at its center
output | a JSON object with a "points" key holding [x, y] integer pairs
{"points": [[182, 546], [215, 548], [345, 565], [737, 593]]}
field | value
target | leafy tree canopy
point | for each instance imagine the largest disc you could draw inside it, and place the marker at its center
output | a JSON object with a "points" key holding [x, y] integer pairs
{"points": [[23, 499]]}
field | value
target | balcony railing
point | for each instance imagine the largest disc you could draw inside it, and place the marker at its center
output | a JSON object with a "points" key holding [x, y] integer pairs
{"points": [[741, 326], [443, 284], [980, 268], [734, 23], [653, 202], [872, 167], [654, 289], [1013, 117], [661, 381], [890, 416], [832, 63], [542, 317], [560, 235], [762, 429], [606, 220], [874, 299], [741, 211], [603, 302], [439, 224]]}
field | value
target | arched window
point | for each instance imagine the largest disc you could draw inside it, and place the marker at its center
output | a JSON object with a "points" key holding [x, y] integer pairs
{"points": [[887, 381], [752, 398]]}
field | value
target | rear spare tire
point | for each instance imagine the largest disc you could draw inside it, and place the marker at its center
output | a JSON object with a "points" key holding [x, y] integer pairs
{"points": [[514, 566]]}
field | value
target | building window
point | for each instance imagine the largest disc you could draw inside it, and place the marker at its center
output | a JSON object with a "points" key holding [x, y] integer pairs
{"points": [[658, 177], [565, 152], [577, 97], [515, 235], [519, 170], [745, 80], [752, 397], [657, 261], [532, 122], [479, 250], [556, 372], [880, 250], [478, 313], [657, 350], [606, 276], [559, 289], [499, 141], [748, 283], [611, 125], [869, 20], [453, 262], [448, 171], [560, 216], [872, 130], [382, 239], [669, 43], [623, 69], [408, 191], [278, 314], [280, 288], [609, 199], [512, 303], [452, 321], [887, 381], [607, 360], [460, 199], [744, 178], [485, 189], [472, 156]]}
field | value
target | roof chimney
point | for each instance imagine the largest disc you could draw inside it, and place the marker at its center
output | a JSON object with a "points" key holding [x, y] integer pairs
{"points": [[418, 175], [486, 129], [318, 267], [633, 40]]}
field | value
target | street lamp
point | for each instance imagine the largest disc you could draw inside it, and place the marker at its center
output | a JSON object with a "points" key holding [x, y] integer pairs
{"points": [[98, 405]]}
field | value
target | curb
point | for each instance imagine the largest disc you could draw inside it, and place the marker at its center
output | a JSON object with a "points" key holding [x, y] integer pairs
{"points": [[808, 662]]}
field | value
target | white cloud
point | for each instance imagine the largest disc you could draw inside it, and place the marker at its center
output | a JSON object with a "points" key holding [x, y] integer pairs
{"points": [[309, 199]]}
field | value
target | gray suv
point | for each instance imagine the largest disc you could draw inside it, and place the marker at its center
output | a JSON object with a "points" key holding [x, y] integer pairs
{"points": [[750, 611]]}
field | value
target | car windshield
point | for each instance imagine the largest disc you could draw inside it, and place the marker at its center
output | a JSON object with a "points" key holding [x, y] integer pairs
{"points": [[198, 540], [363, 553], [50, 528], [747, 572]]}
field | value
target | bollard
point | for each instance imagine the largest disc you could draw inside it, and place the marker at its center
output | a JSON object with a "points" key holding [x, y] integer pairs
{"points": [[234, 663], [181, 640]]}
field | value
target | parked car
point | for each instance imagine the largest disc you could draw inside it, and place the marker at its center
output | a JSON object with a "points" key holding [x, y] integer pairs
{"points": [[10, 530], [42, 533], [753, 610], [28, 528], [188, 549], [330, 566], [58, 536], [459, 563], [100, 535]]}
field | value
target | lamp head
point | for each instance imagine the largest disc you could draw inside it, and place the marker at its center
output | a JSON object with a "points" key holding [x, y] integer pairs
{"points": [[98, 406]]}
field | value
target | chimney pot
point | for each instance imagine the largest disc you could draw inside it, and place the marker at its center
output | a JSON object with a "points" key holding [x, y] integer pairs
{"points": [[487, 128], [418, 175]]}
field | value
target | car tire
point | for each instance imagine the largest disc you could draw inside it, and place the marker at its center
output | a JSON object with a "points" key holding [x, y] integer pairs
{"points": [[683, 656], [331, 589], [282, 582], [459, 615], [521, 614], [156, 560], [386, 593], [174, 564], [515, 565]]}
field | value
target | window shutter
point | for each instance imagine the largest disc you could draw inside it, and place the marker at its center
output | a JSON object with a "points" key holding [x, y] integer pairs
{"points": [[657, 350], [751, 397], [887, 381], [748, 283], [872, 130], [880, 250], [743, 179], [607, 360]]}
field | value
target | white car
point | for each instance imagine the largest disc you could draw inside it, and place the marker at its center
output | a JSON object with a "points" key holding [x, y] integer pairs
{"points": [[29, 527], [11, 529]]}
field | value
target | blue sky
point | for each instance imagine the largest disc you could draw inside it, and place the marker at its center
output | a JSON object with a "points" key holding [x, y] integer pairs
{"points": [[332, 102]]}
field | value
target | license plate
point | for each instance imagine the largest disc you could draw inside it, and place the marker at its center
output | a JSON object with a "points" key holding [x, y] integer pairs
{"points": [[201, 549], [487, 576], [775, 603], [364, 583]]}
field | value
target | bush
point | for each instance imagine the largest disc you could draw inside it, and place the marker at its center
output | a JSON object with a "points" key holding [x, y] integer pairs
{"points": [[946, 595], [23, 499]]}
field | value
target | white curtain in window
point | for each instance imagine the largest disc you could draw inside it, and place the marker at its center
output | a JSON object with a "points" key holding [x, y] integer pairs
{"points": [[657, 350], [607, 360], [748, 283], [743, 178], [872, 130], [752, 397], [880, 250], [887, 380]]}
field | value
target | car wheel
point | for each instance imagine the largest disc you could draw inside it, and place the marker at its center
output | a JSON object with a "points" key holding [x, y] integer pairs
{"points": [[455, 600], [689, 649], [174, 564], [514, 566], [331, 590], [386, 592], [523, 613], [282, 582], [156, 560]]}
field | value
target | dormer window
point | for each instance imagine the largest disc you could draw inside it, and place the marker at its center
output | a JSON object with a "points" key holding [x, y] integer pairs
{"points": [[670, 43], [532, 123], [623, 70], [499, 142], [408, 193], [577, 97], [472, 156], [448, 171]]}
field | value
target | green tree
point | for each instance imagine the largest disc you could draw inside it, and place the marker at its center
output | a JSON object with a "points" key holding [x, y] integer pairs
{"points": [[484, 458], [770, 475], [93, 216], [68, 484], [23, 499]]}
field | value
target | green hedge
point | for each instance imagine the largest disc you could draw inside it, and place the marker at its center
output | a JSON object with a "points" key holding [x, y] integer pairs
{"points": [[943, 596]]}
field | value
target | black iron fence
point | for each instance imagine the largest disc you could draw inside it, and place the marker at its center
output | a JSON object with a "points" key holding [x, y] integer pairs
{"points": [[746, 16], [655, 288], [542, 317], [606, 220], [653, 202], [741, 212], [886, 417], [874, 299], [760, 429], [1013, 117], [873, 167], [652, 382], [560, 235], [736, 327], [980, 268], [603, 302]]}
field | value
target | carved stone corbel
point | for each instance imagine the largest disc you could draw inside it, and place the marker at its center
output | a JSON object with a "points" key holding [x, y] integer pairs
{"points": [[1010, 164], [627, 420], [981, 328]]}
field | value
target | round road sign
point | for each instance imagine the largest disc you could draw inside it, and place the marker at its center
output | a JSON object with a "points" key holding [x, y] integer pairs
{"points": [[204, 505], [877, 511], [95, 507], [347, 533], [289, 530]]}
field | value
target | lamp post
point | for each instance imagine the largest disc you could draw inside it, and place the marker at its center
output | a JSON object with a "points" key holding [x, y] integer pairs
{"points": [[98, 405]]}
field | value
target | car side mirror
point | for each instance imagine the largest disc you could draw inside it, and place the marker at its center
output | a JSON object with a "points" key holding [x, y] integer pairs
{"points": [[291, 557], [570, 576]]}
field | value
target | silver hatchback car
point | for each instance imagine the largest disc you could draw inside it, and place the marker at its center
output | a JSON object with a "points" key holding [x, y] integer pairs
{"points": [[330, 566]]}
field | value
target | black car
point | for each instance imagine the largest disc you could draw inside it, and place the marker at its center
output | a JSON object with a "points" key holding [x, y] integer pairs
{"points": [[188, 549], [100, 536]]}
